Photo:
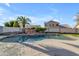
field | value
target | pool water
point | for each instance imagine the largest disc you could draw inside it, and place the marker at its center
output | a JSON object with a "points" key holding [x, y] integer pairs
{"points": [[30, 38]]}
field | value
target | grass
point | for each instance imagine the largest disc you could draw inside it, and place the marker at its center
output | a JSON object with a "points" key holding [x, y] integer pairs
{"points": [[76, 35]]}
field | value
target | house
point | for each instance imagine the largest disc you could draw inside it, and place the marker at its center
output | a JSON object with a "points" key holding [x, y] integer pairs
{"points": [[77, 26], [64, 29], [53, 26]]}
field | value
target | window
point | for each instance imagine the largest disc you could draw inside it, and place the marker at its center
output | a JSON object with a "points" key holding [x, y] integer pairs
{"points": [[52, 25], [56, 24], [49, 25]]}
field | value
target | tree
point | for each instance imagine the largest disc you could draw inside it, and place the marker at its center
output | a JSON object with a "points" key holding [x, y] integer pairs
{"points": [[11, 23], [23, 20], [39, 29], [77, 20], [6, 24], [15, 24]]}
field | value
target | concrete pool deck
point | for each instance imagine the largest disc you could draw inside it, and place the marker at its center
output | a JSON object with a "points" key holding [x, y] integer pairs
{"points": [[47, 47]]}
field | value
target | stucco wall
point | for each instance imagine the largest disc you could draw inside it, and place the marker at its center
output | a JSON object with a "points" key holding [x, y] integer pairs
{"points": [[77, 30], [1, 29], [67, 30], [52, 30], [11, 29], [62, 30]]}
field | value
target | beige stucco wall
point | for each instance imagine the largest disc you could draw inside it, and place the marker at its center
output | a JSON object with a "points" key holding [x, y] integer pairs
{"points": [[1, 29], [56, 28], [52, 30], [77, 26], [11, 29], [67, 30], [77, 30]]}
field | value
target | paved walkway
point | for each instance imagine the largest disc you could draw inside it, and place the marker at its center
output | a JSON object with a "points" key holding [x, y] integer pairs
{"points": [[2, 37], [47, 47]]}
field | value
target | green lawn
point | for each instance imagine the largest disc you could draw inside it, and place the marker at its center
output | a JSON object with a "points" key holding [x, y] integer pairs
{"points": [[76, 35]]}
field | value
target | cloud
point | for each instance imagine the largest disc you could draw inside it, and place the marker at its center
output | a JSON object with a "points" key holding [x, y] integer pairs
{"points": [[35, 20], [42, 20], [1, 11], [7, 18], [56, 20], [61, 19], [12, 18], [1, 14], [4, 11], [54, 11], [7, 4]]}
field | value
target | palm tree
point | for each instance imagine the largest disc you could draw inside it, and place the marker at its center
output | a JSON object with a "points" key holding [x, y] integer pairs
{"points": [[77, 17], [11, 23], [77, 20], [22, 21], [15, 24]]}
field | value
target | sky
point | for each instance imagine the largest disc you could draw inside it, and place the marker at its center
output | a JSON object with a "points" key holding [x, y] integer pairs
{"points": [[39, 13]]}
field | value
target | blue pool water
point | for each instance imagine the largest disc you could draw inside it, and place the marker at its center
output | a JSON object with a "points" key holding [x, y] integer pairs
{"points": [[30, 38]]}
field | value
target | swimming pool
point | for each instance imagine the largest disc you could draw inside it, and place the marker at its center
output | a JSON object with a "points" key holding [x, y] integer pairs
{"points": [[30, 38]]}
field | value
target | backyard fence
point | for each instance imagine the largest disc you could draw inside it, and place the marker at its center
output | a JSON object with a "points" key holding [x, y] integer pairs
{"points": [[10, 29]]}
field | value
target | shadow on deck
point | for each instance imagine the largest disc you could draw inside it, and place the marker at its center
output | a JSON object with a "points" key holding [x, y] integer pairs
{"points": [[51, 51]]}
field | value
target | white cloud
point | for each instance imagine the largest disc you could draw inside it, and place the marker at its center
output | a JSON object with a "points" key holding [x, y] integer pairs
{"points": [[4, 19], [11, 18], [1, 11], [61, 19], [35, 20], [54, 11], [41, 20], [56, 20], [74, 17], [1, 14], [7, 4]]}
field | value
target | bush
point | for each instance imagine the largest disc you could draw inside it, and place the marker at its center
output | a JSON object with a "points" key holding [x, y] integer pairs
{"points": [[40, 29]]}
